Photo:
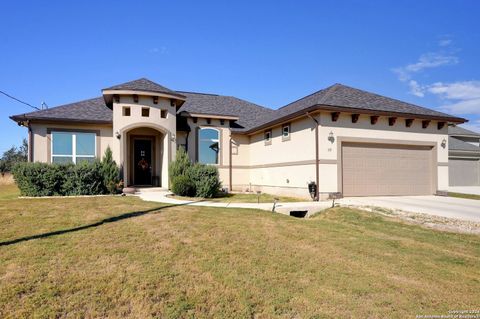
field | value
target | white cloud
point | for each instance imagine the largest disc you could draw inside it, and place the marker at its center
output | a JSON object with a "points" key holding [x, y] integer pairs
{"points": [[161, 50], [472, 126], [462, 97], [416, 89], [425, 61], [444, 42]]}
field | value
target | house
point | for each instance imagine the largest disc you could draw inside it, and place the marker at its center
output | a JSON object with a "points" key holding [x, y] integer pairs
{"points": [[463, 157], [344, 139]]}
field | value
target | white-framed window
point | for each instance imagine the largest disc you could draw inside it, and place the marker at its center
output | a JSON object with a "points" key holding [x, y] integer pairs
{"points": [[73, 147], [285, 132], [268, 137], [208, 146]]}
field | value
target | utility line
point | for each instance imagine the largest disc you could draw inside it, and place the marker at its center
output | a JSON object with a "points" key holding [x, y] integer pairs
{"points": [[14, 98]]}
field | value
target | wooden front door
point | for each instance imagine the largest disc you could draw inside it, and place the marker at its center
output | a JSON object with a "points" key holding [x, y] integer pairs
{"points": [[142, 162]]}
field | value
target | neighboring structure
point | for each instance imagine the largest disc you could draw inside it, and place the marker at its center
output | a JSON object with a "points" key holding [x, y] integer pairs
{"points": [[344, 139], [463, 157]]}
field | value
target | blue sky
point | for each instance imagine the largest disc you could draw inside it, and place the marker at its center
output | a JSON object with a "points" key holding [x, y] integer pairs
{"points": [[267, 52]]}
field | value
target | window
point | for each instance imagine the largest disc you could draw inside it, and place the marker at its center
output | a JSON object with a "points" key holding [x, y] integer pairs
{"points": [[73, 147], [163, 114], [286, 132], [126, 111], [208, 146], [145, 112], [268, 137]]}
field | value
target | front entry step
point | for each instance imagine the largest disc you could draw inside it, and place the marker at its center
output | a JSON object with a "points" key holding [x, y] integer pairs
{"points": [[137, 190]]}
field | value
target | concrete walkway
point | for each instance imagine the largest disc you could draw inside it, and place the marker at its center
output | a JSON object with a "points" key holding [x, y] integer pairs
{"points": [[284, 208], [474, 190], [450, 207]]}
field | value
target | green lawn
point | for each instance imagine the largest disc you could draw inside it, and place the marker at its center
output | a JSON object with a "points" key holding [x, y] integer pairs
{"points": [[467, 196], [246, 198], [122, 257]]}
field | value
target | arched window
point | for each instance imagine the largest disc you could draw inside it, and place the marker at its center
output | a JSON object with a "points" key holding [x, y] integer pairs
{"points": [[208, 146]]}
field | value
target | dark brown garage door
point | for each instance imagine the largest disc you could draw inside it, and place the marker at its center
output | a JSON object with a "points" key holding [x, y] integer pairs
{"points": [[385, 169]]}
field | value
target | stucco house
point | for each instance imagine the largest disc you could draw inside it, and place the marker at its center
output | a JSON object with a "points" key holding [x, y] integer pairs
{"points": [[345, 140], [463, 157]]}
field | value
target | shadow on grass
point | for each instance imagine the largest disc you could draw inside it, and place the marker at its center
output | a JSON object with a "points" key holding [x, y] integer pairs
{"points": [[99, 223]]}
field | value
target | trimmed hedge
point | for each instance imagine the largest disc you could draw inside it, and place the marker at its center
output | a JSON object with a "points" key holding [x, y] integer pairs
{"points": [[86, 178], [189, 179]]}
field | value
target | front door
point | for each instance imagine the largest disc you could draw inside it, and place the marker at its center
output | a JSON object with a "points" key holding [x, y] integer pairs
{"points": [[142, 161]]}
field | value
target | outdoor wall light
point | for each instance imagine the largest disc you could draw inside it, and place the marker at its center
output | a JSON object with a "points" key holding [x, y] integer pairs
{"points": [[331, 138], [172, 138], [117, 135], [444, 143]]}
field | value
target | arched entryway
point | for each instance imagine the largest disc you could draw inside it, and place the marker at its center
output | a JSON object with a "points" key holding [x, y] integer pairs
{"points": [[145, 157]]}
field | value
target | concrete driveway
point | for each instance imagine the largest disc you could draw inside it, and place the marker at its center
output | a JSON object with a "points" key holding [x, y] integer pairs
{"points": [[459, 208], [475, 190]]}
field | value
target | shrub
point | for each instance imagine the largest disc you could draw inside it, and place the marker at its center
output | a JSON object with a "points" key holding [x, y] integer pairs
{"points": [[182, 185], [41, 179], [187, 179], [180, 165], [110, 173], [86, 178], [206, 180]]}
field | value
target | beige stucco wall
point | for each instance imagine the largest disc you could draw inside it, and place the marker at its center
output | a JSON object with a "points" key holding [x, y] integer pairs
{"points": [[285, 167], [343, 129], [123, 124], [42, 140]]}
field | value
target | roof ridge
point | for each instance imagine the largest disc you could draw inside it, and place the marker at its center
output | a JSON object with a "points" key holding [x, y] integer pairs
{"points": [[200, 93], [306, 96]]}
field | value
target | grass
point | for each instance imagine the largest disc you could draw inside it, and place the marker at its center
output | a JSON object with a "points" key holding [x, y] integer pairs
{"points": [[123, 257], [467, 196], [245, 198]]}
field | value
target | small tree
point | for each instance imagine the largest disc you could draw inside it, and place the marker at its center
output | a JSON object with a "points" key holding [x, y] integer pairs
{"points": [[180, 165], [110, 172], [12, 156]]}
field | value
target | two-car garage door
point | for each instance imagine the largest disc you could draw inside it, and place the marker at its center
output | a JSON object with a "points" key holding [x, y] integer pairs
{"points": [[370, 169]]}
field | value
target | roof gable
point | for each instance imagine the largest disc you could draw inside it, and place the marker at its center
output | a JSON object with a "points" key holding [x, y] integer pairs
{"points": [[143, 84]]}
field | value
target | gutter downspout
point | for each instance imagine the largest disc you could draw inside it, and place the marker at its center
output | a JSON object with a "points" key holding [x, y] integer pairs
{"points": [[230, 163], [317, 169]]}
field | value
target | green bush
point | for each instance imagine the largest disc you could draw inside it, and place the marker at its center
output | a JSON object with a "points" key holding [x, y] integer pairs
{"points": [[206, 180], [182, 185], [180, 165], [110, 173], [187, 179], [40, 179], [86, 178]]}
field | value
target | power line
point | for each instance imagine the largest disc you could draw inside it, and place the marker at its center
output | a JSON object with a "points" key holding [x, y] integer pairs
{"points": [[14, 98]]}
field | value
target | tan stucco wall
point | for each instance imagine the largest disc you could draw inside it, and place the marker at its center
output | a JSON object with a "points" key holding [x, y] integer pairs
{"points": [[42, 141], [285, 167]]}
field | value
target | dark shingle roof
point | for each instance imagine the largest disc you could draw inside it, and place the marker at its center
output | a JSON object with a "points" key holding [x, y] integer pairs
{"points": [[92, 110], [342, 96], [460, 131], [455, 144], [143, 84], [250, 114]]}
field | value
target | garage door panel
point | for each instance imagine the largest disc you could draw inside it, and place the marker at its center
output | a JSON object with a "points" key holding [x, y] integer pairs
{"points": [[464, 172], [383, 169]]}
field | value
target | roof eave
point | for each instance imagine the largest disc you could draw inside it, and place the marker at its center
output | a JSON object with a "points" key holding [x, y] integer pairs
{"points": [[319, 107], [22, 117]]}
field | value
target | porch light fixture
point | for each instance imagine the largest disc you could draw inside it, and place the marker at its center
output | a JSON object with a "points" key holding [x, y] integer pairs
{"points": [[331, 138], [117, 135], [444, 143], [173, 138]]}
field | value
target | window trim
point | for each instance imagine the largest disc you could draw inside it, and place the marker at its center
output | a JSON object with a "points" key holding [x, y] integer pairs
{"points": [[286, 138], [74, 144], [125, 109], [219, 159], [162, 112], [147, 109], [269, 140]]}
